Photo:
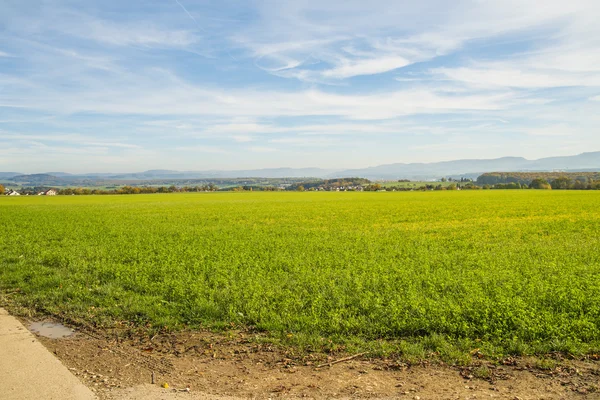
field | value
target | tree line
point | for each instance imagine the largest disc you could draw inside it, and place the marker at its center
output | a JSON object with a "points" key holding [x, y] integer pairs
{"points": [[504, 181], [541, 180], [79, 191]]}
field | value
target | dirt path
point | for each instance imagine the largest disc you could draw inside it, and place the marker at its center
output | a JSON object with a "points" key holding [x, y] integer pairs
{"points": [[217, 367]]}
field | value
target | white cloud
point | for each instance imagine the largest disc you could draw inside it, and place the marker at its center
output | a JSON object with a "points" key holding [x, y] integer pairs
{"points": [[203, 149], [501, 75], [170, 124], [306, 141], [247, 127], [107, 29], [36, 158], [261, 149], [243, 138], [72, 139], [145, 93], [368, 38], [366, 67], [560, 130], [131, 35], [128, 34]]}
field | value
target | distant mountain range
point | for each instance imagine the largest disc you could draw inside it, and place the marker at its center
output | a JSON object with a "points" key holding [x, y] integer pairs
{"points": [[474, 168], [414, 171]]}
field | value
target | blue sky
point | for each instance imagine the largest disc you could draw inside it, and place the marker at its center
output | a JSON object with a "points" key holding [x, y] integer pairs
{"points": [[193, 85]]}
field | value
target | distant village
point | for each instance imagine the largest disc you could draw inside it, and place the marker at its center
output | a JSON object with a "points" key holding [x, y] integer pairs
{"points": [[49, 192]]}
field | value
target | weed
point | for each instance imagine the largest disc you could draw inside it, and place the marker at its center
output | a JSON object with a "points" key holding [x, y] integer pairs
{"points": [[482, 372]]}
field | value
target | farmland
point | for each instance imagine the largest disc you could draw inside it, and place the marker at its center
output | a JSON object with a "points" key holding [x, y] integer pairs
{"points": [[508, 272]]}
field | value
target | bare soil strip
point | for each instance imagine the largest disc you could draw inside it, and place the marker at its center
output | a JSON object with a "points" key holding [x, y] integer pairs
{"points": [[206, 365]]}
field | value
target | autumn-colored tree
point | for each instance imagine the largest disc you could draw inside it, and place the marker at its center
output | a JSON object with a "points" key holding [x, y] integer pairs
{"points": [[540, 184], [1, 190]]}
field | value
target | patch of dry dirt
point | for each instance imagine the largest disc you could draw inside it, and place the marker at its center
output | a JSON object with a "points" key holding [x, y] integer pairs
{"points": [[203, 365]]}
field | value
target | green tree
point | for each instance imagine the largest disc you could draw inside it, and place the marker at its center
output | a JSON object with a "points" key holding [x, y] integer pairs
{"points": [[300, 188], [563, 182], [539, 183], [579, 185]]}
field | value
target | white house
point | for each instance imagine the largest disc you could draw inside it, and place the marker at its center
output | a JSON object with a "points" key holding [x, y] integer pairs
{"points": [[50, 192], [12, 193]]}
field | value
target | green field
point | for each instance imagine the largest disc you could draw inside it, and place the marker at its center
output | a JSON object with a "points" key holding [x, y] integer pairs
{"points": [[508, 272]]}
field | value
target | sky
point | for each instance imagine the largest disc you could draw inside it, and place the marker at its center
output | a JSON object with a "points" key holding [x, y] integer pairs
{"points": [[123, 86]]}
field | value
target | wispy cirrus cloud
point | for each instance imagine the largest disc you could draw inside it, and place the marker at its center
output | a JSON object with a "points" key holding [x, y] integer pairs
{"points": [[373, 66], [73, 139], [84, 23], [307, 103], [505, 75], [290, 36]]}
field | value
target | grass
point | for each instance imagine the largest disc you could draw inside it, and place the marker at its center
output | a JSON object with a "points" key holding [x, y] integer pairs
{"points": [[545, 364], [410, 274], [482, 372]]}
